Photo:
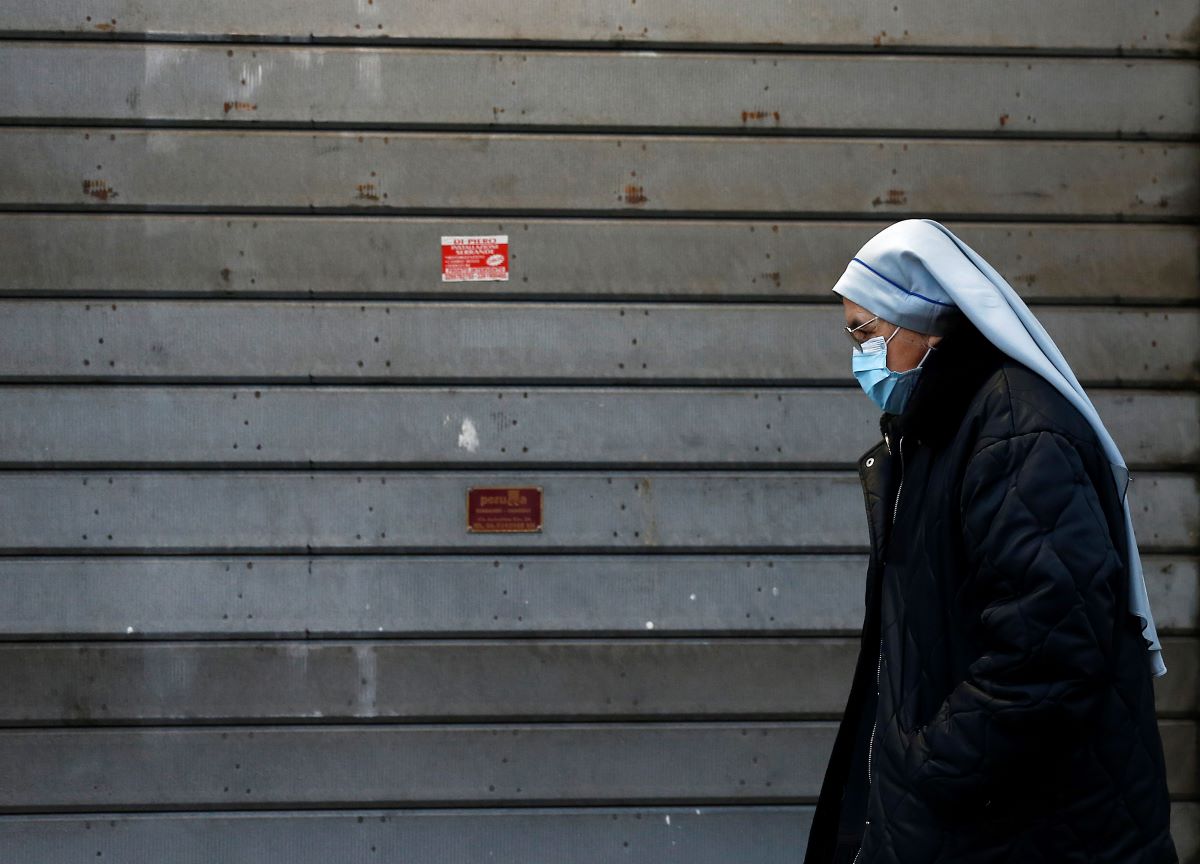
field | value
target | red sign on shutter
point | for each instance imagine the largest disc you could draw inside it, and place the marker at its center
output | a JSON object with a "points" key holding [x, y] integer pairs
{"points": [[475, 259], [504, 509]]}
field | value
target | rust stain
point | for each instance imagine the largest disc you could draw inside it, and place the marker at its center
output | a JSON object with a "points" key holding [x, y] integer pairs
{"points": [[367, 192], [757, 114], [99, 189], [105, 26], [240, 106], [225, 274], [1003, 119], [634, 195], [773, 276]]}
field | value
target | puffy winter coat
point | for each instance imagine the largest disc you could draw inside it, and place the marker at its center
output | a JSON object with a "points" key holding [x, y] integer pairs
{"points": [[1002, 707]]}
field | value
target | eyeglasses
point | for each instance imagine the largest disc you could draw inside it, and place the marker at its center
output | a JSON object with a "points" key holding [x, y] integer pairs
{"points": [[856, 340], [852, 332]]}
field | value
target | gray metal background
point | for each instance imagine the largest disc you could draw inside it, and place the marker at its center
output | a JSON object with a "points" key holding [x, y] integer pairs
{"points": [[242, 619]]}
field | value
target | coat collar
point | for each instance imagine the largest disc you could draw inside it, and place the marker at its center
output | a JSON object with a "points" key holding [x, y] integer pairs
{"points": [[949, 380]]}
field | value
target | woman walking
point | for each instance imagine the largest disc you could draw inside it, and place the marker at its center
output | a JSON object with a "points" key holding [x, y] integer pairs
{"points": [[1002, 707]]}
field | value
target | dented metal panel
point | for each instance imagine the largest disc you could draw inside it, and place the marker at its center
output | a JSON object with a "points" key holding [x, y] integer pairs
{"points": [[260, 170], [247, 83]]}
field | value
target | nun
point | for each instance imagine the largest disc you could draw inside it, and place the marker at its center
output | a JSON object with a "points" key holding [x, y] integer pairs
{"points": [[1002, 707]]}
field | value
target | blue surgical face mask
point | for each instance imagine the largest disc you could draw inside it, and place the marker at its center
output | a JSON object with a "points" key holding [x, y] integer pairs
{"points": [[887, 389]]}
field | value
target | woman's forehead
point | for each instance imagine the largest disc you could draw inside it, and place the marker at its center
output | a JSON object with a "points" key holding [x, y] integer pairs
{"points": [[854, 313]]}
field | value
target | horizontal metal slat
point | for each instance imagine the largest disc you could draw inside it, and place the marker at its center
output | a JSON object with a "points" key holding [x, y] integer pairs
{"points": [[421, 595], [768, 833], [372, 171], [377, 86], [480, 765], [299, 256], [430, 342], [372, 511], [180, 512], [1028, 24], [329, 682], [413, 596], [477, 679], [62, 425]]}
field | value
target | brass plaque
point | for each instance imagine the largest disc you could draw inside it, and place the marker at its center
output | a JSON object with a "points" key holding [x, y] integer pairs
{"points": [[504, 509]]}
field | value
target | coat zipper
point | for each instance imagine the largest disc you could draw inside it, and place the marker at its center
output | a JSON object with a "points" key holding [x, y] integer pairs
{"points": [[879, 661], [900, 487], [871, 744]]}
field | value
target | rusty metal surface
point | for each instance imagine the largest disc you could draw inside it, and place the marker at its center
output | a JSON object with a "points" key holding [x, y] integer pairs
{"points": [[1169, 26], [79, 512], [59, 425], [263, 255], [738, 92], [256, 170], [264, 341]]}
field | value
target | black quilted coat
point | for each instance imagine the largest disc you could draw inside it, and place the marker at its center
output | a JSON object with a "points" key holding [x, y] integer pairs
{"points": [[1002, 707]]}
